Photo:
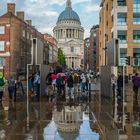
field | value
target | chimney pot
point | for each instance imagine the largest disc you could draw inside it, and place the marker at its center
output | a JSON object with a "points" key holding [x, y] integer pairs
{"points": [[20, 14], [11, 7]]}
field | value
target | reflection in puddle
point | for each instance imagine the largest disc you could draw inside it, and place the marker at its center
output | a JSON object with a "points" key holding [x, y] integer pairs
{"points": [[71, 123]]}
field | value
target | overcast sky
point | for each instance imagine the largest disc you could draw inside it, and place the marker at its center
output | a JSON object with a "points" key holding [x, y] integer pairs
{"points": [[44, 13]]}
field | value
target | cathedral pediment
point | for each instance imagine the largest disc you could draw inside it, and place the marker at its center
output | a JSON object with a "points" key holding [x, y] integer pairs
{"points": [[74, 41]]}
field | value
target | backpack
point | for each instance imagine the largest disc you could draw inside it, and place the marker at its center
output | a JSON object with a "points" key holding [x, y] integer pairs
{"points": [[11, 83], [1, 82]]}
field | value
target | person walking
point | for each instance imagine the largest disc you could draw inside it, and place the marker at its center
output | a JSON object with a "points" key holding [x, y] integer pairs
{"points": [[11, 87], [136, 84], [83, 82], [53, 77], [70, 86], [75, 82], [120, 86], [49, 86], [30, 86], [36, 84], [113, 85], [59, 82], [2, 83]]}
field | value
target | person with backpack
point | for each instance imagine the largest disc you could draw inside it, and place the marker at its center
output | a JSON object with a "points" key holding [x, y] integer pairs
{"points": [[2, 83], [11, 86]]}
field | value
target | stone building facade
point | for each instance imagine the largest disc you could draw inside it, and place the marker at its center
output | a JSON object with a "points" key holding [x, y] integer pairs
{"points": [[69, 34]]}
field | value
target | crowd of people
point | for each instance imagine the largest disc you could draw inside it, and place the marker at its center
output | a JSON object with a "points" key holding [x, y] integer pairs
{"points": [[13, 86], [68, 84]]}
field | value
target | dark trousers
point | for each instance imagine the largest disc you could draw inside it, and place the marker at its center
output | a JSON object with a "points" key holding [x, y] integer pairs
{"points": [[59, 89], [11, 91], [1, 95], [135, 89]]}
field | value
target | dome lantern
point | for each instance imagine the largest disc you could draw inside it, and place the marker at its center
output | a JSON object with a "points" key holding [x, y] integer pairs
{"points": [[68, 4]]}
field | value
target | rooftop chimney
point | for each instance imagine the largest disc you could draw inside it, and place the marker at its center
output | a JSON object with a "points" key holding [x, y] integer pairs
{"points": [[11, 7], [29, 22], [20, 14]]}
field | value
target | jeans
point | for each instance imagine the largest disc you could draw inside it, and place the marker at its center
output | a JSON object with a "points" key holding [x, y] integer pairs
{"points": [[83, 87], [11, 91]]}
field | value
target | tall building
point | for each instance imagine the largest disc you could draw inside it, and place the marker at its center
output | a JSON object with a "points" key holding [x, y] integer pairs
{"points": [[120, 19], [69, 34], [94, 48], [86, 53]]}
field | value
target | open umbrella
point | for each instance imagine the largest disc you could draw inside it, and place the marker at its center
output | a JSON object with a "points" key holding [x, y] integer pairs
{"points": [[61, 74]]}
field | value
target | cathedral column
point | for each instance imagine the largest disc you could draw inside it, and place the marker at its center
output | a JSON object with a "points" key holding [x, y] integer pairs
{"points": [[68, 33], [78, 33], [57, 33], [74, 33]]}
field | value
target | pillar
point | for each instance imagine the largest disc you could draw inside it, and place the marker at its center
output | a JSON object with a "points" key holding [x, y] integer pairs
{"points": [[74, 33]]}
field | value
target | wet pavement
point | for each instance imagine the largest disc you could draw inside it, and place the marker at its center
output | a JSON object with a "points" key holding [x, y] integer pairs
{"points": [[70, 120]]}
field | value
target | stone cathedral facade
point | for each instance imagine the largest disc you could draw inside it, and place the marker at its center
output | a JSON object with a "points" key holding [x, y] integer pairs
{"points": [[70, 36]]}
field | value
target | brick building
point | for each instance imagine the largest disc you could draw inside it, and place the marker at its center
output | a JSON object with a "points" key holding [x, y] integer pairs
{"points": [[120, 19], [15, 41]]}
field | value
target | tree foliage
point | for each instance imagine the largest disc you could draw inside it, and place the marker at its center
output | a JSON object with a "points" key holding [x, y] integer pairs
{"points": [[61, 57]]}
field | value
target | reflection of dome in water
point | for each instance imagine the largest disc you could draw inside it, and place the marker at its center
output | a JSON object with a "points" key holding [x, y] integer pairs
{"points": [[69, 119], [71, 136]]}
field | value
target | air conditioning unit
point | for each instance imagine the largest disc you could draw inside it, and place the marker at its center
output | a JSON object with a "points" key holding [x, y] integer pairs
{"points": [[136, 61]]}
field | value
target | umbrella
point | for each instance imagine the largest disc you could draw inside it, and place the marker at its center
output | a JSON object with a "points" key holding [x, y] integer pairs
{"points": [[62, 74]]}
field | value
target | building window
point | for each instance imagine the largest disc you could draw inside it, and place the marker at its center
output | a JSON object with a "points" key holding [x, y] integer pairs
{"points": [[121, 2], [72, 49], [136, 18], [136, 36], [122, 18], [1, 45], [136, 6], [122, 36], [136, 56], [2, 61], [2, 29], [123, 54], [23, 33], [28, 35]]}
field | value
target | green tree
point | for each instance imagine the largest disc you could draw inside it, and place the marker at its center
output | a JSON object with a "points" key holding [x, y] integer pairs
{"points": [[61, 57]]}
